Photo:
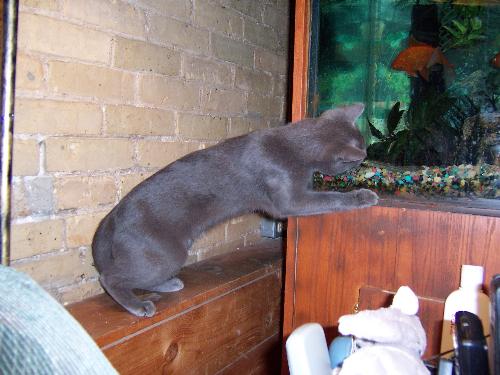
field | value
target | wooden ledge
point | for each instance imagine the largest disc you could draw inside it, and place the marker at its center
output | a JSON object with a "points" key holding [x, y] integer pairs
{"points": [[108, 323]]}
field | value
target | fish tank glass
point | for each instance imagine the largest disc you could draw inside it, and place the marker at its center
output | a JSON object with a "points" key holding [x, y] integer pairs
{"points": [[428, 73]]}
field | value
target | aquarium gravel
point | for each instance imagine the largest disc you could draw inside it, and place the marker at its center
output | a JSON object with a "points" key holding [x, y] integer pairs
{"points": [[481, 181]]}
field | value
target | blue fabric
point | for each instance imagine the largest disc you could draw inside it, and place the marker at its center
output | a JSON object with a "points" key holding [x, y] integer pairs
{"points": [[38, 336]]}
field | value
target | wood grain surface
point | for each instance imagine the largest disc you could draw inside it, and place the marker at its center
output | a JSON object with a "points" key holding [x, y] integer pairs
{"points": [[332, 258], [229, 311]]}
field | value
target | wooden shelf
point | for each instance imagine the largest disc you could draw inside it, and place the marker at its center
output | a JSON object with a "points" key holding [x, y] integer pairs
{"points": [[230, 307], [336, 262]]}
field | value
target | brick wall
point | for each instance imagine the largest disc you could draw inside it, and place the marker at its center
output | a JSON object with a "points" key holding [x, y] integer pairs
{"points": [[108, 92]]}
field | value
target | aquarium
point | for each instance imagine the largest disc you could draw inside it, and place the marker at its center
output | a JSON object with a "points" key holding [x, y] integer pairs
{"points": [[428, 73]]}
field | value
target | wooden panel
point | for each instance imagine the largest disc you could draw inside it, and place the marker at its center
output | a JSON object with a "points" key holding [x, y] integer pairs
{"points": [[300, 59], [107, 322], [228, 312], [335, 255], [290, 276], [205, 339], [261, 360], [433, 245], [332, 262]]}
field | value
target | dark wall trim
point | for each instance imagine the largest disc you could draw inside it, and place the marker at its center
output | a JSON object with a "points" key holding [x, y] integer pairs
{"points": [[9, 39]]}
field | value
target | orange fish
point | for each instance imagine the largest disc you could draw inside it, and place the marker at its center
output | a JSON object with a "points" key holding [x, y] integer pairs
{"points": [[496, 61], [418, 58]]}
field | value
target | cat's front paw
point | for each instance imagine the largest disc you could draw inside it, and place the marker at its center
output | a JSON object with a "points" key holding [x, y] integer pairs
{"points": [[365, 198]]}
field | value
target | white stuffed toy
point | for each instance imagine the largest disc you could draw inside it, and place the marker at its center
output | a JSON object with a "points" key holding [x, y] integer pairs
{"points": [[387, 341]]}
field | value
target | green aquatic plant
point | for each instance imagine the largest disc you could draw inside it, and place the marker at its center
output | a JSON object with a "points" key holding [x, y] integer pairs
{"points": [[393, 118], [429, 132], [462, 26], [465, 34]]}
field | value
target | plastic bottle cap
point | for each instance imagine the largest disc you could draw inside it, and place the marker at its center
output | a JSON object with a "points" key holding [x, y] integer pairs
{"points": [[471, 276]]}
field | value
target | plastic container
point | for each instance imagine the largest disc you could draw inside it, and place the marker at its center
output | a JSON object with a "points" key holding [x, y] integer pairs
{"points": [[307, 351], [469, 297], [339, 349]]}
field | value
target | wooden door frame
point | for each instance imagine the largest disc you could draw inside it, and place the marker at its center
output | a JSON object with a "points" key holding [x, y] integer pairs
{"points": [[302, 27], [301, 39]]}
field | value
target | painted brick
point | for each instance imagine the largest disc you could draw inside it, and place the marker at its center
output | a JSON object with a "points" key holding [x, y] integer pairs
{"points": [[35, 116], [86, 154], [243, 125], [36, 238], [202, 127], [280, 86], [169, 93], [275, 17], [167, 30], [252, 238], [25, 159], [232, 50], [207, 70], [78, 292], [41, 4], [39, 194], [142, 56], [80, 229], [218, 18], [266, 106], [84, 192], [91, 81], [59, 269], [220, 249], [29, 73], [254, 80], [261, 35], [284, 5], [212, 237], [156, 154], [208, 54], [129, 181], [238, 227], [115, 15], [173, 8], [270, 62], [221, 101], [47, 35], [129, 120], [251, 8], [19, 199]]}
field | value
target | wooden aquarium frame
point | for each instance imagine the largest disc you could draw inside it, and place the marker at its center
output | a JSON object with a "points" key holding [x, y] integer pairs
{"points": [[300, 75], [300, 66]]}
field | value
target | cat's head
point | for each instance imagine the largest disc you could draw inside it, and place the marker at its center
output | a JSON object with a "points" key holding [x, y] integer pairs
{"points": [[343, 146]]}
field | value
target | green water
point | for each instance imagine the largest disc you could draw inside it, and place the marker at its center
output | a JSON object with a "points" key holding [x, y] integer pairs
{"points": [[450, 118]]}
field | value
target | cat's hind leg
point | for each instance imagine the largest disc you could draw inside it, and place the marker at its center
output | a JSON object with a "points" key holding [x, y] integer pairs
{"points": [[172, 285], [126, 298]]}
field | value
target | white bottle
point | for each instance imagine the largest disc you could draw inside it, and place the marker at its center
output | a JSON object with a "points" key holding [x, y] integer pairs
{"points": [[469, 297]]}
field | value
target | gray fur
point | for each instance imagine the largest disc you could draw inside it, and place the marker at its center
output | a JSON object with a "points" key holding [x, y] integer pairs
{"points": [[143, 242]]}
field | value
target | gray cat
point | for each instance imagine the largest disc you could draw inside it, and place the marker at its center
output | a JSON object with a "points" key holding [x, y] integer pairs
{"points": [[143, 242]]}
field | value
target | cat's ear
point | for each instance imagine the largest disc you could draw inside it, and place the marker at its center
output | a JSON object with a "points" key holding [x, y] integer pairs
{"points": [[349, 113]]}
